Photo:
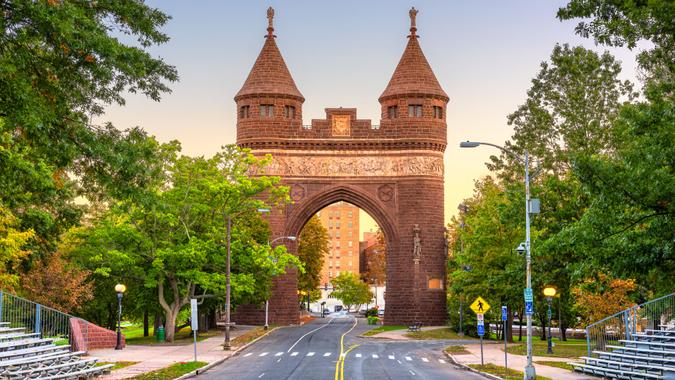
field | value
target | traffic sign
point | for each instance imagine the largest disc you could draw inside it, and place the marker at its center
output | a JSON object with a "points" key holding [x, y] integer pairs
{"points": [[480, 306], [529, 308], [504, 312], [480, 317], [481, 330], [528, 295]]}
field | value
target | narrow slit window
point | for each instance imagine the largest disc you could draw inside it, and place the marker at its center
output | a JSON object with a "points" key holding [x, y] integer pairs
{"points": [[244, 112], [289, 112], [438, 112], [392, 111], [415, 110], [267, 110]]}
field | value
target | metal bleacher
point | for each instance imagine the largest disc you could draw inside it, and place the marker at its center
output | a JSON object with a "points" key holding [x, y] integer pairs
{"points": [[27, 356]]}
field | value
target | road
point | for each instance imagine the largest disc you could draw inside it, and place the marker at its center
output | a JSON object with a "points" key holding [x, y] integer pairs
{"points": [[316, 349]]}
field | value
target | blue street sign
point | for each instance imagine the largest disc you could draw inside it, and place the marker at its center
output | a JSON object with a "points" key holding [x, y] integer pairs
{"points": [[504, 311], [549, 313], [528, 295], [481, 330], [529, 308]]}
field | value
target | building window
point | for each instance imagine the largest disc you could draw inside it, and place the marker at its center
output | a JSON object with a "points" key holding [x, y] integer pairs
{"points": [[330, 224], [337, 272], [438, 112], [330, 264], [350, 263], [289, 112], [349, 244], [349, 233], [392, 112], [337, 244], [337, 214], [243, 112], [350, 253], [415, 110], [267, 110], [337, 234], [349, 214], [337, 224], [350, 224], [330, 273]]}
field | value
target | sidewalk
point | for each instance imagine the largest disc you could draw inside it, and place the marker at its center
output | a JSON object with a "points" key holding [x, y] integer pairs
{"points": [[400, 334], [494, 353], [153, 357]]}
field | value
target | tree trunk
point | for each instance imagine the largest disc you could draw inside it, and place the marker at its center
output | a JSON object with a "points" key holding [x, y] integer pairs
{"points": [[542, 321], [563, 331], [146, 324], [170, 325], [157, 322], [520, 325], [509, 327]]}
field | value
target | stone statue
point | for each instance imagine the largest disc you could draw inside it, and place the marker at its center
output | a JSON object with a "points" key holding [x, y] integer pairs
{"points": [[270, 17], [417, 245], [413, 15]]}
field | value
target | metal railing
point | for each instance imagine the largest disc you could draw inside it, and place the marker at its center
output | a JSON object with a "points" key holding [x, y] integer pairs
{"points": [[42, 320], [623, 325]]}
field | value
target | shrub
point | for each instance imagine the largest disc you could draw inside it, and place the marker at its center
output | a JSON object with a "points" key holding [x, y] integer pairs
{"points": [[372, 312], [372, 320]]}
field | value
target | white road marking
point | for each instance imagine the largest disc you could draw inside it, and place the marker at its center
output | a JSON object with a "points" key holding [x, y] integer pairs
{"points": [[411, 372], [441, 361], [310, 354], [278, 354], [425, 360], [249, 354], [408, 358], [358, 355], [278, 360], [264, 354], [343, 354], [391, 357], [399, 362], [375, 356], [326, 354], [295, 353], [261, 375], [318, 328]]}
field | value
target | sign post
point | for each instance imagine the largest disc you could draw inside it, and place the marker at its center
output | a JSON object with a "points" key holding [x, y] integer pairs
{"points": [[194, 319], [506, 360], [480, 307]]}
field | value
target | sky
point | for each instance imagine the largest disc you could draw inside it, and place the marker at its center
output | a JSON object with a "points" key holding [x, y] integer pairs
{"points": [[343, 53]]}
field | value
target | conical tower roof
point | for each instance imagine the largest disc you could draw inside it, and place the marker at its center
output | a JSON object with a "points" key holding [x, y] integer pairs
{"points": [[413, 75], [269, 75]]}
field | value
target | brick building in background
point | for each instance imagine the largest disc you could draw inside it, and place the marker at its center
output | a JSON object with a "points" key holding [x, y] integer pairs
{"points": [[341, 220]]}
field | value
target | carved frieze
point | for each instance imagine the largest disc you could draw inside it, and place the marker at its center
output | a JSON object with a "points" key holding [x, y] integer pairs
{"points": [[355, 166], [341, 125]]}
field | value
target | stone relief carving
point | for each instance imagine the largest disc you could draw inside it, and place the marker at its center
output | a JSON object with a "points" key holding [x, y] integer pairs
{"points": [[385, 193], [417, 244], [297, 192], [321, 166], [341, 125]]}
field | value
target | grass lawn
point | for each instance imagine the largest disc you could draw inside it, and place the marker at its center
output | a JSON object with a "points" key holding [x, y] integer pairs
{"points": [[499, 371], [572, 348], [552, 363], [134, 336], [381, 329], [456, 350], [442, 333], [250, 335], [117, 365], [171, 372]]}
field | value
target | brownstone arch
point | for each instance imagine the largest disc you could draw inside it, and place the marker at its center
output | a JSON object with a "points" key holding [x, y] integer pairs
{"points": [[393, 171]]}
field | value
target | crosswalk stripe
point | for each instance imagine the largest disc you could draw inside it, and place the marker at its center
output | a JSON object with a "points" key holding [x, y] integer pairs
{"points": [[441, 361], [358, 355], [326, 354], [247, 355], [425, 360], [408, 358], [310, 354], [264, 354], [375, 356], [278, 354], [295, 353], [391, 357]]}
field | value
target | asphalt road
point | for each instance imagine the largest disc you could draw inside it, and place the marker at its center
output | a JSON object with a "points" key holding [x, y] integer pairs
{"points": [[329, 349]]}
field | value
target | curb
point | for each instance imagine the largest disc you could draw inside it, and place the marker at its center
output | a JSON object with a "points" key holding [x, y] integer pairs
{"points": [[219, 361], [466, 367]]}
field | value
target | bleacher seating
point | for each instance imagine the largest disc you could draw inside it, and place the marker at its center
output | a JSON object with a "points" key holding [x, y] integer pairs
{"points": [[28, 356], [648, 355]]}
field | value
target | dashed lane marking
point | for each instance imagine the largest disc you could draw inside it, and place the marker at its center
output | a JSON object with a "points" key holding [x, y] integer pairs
{"points": [[425, 360], [391, 357], [441, 361], [261, 375], [411, 372], [249, 354], [295, 353], [264, 354], [326, 354], [375, 356], [358, 355], [408, 358], [399, 362], [310, 354], [278, 354]]}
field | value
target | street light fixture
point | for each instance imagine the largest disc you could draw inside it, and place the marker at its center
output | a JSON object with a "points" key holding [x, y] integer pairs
{"points": [[549, 292], [120, 289], [530, 373]]}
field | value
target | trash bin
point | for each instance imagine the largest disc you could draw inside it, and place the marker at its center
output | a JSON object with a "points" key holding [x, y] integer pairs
{"points": [[161, 337]]}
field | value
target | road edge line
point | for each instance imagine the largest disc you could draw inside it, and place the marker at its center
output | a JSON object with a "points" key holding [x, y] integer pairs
{"points": [[466, 367]]}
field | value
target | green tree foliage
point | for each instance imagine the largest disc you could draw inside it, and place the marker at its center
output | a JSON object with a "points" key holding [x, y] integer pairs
{"points": [[349, 289], [12, 250], [175, 241], [312, 250], [376, 261]]}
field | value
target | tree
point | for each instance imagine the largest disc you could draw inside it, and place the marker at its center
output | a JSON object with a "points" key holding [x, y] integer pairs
{"points": [[376, 261], [175, 244], [602, 295], [12, 251], [349, 289], [312, 249]]}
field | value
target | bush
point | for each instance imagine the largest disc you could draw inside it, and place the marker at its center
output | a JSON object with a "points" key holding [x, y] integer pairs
{"points": [[372, 312], [372, 320]]}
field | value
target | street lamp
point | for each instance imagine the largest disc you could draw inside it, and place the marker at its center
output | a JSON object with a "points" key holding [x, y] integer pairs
{"points": [[267, 301], [549, 292], [530, 373], [465, 268], [120, 289]]}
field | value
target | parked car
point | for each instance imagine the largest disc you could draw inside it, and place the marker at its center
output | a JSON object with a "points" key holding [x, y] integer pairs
{"points": [[338, 308], [326, 312]]}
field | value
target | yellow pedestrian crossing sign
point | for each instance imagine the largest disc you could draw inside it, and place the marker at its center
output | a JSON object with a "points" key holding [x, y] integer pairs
{"points": [[480, 306]]}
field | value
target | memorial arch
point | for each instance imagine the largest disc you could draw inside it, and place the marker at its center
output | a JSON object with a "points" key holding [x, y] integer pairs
{"points": [[393, 170]]}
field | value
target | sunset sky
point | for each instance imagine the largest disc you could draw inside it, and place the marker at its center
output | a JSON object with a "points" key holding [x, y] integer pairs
{"points": [[342, 53]]}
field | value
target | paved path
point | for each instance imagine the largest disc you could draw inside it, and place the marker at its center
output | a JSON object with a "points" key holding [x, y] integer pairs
{"points": [[331, 349], [153, 357]]}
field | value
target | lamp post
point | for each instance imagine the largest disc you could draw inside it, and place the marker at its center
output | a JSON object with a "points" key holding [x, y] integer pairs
{"points": [[227, 345], [549, 292], [465, 268], [120, 289], [267, 301], [529, 373]]}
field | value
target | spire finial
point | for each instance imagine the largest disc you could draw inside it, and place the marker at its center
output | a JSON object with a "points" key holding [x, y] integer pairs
{"points": [[270, 22], [413, 26]]}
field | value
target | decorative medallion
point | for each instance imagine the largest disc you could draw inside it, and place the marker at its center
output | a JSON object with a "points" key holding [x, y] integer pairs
{"points": [[385, 193], [341, 125], [297, 192]]}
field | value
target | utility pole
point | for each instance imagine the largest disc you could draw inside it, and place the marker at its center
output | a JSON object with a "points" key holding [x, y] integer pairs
{"points": [[227, 346]]}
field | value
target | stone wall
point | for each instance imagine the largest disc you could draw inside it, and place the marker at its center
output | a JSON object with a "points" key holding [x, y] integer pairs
{"points": [[87, 336]]}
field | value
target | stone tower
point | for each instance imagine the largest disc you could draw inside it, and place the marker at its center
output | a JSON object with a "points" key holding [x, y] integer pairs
{"points": [[393, 171]]}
